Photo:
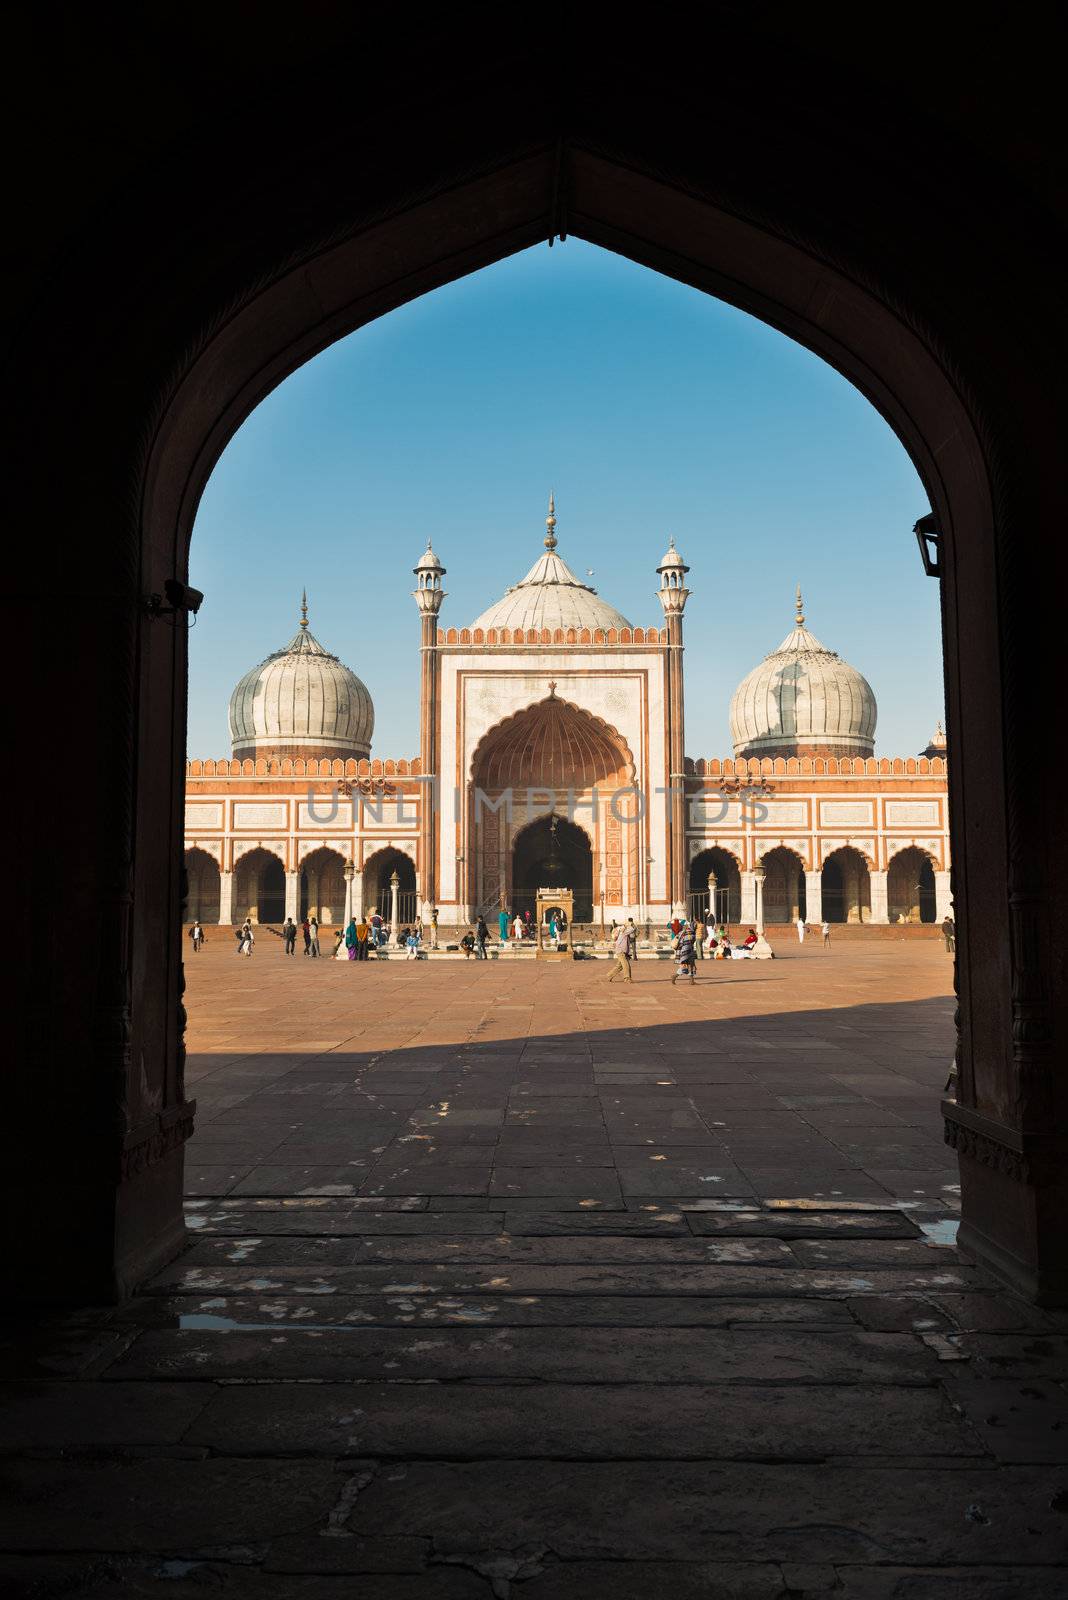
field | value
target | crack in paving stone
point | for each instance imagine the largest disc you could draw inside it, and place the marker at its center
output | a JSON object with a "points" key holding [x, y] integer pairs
{"points": [[337, 1519]]}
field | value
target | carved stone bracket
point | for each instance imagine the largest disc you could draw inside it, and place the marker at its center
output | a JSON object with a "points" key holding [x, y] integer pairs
{"points": [[144, 1147], [1023, 1157]]}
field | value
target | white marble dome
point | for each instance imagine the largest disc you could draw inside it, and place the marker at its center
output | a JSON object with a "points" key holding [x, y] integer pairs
{"points": [[301, 701], [550, 596], [803, 699]]}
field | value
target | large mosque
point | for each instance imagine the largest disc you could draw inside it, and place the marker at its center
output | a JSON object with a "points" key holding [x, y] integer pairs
{"points": [[552, 755]]}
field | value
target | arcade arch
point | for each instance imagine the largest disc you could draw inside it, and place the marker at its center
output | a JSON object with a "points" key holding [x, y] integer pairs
{"points": [[259, 887], [846, 886], [728, 888], [203, 886], [322, 886], [784, 885], [910, 886], [378, 869]]}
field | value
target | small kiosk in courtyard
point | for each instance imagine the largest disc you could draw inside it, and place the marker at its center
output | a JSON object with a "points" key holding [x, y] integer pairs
{"points": [[546, 902]]}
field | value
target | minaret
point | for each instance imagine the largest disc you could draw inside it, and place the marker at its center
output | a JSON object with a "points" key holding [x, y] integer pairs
{"points": [[428, 595], [673, 595]]}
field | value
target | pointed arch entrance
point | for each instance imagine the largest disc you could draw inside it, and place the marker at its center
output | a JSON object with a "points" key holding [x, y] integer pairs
{"points": [[531, 775], [552, 853], [249, 290]]}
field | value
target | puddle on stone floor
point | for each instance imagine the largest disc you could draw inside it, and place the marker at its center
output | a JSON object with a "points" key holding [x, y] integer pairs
{"points": [[942, 1233]]}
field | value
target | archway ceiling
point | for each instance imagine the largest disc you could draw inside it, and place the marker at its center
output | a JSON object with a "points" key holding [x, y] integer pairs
{"points": [[551, 745]]}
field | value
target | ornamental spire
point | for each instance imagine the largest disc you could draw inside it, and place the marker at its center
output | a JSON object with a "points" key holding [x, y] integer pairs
{"points": [[550, 524], [800, 614], [304, 608]]}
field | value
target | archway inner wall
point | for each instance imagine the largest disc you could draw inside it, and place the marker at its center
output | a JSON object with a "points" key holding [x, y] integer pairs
{"points": [[301, 303]]}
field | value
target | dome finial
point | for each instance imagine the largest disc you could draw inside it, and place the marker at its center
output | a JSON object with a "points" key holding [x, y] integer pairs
{"points": [[550, 523], [304, 608], [800, 616]]}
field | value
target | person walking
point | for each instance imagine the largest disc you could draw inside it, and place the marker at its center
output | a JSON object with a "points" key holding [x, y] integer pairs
{"points": [[313, 936], [305, 928], [196, 934], [826, 930], [481, 936], [949, 933], [289, 936], [248, 938], [685, 958], [800, 925], [622, 949]]}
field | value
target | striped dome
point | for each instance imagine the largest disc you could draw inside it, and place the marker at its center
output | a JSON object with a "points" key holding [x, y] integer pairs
{"points": [[803, 698], [301, 701]]}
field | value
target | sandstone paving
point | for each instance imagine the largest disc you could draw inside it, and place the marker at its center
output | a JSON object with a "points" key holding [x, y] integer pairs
{"points": [[501, 1285]]}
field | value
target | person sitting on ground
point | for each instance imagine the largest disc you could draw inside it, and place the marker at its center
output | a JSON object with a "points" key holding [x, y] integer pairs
{"points": [[685, 955], [339, 943], [750, 939], [412, 945], [467, 944]]}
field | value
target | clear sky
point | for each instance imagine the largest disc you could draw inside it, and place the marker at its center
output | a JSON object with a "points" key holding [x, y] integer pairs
{"points": [[651, 408]]}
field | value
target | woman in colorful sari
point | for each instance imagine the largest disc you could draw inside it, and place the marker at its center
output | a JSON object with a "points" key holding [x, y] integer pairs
{"points": [[350, 939]]}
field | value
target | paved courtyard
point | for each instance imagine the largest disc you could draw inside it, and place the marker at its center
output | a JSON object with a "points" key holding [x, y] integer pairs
{"points": [[503, 1282]]}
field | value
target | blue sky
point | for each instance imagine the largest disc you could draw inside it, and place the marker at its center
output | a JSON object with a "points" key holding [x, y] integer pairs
{"points": [[651, 408]]}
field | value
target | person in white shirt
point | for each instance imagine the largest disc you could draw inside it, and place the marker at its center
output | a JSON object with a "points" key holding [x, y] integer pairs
{"points": [[800, 930], [623, 950]]}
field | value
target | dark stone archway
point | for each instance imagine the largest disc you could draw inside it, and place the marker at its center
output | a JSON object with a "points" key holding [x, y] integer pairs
{"points": [[222, 253], [552, 853]]}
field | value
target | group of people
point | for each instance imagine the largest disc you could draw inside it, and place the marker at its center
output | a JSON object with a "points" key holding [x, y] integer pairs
{"points": [[309, 928], [520, 925], [691, 942], [802, 928], [360, 938]]}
